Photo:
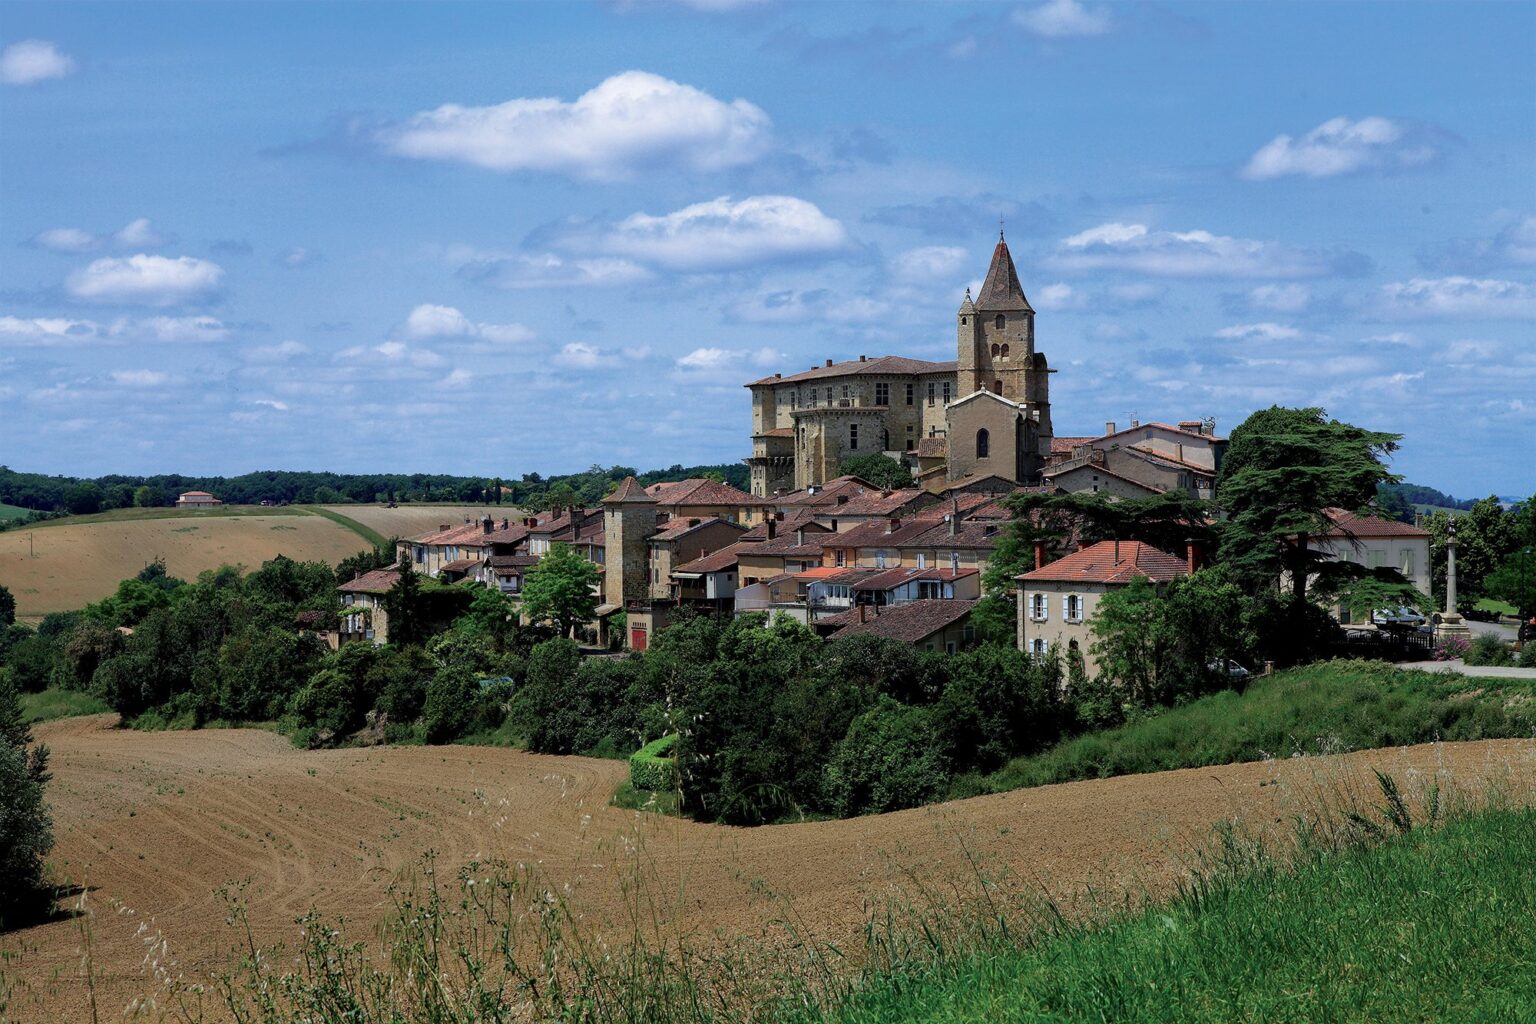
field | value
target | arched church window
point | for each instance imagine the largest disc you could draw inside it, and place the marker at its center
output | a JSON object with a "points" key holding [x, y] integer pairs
{"points": [[1001, 320], [983, 443], [1005, 351], [962, 321], [996, 348], [997, 387]]}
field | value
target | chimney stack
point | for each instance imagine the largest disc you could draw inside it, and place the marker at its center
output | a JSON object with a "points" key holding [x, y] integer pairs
{"points": [[1192, 555], [863, 611], [488, 524], [442, 527], [863, 358], [772, 528], [829, 362], [954, 516], [1135, 424], [1039, 554], [1109, 427]]}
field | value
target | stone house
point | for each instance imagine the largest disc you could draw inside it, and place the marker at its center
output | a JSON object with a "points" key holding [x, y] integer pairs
{"points": [[362, 604], [1375, 543]]}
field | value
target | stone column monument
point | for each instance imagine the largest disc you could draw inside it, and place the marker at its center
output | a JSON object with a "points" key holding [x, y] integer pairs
{"points": [[1450, 620]]}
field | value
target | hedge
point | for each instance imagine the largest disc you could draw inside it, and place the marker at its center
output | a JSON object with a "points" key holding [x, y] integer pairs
{"points": [[648, 769]]}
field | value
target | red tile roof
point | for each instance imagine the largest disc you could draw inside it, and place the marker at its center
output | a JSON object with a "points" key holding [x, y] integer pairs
{"points": [[1064, 445], [1051, 473], [876, 503], [1111, 561], [1001, 289], [460, 565], [699, 491], [682, 527], [716, 561], [1347, 524], [890, 365], [933, 448], [799, 517], [629, 492], [910, 623], [378, 581]]}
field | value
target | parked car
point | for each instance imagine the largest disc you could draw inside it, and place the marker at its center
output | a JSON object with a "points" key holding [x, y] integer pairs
{"points": [[1403, 616], [1231, 669]]}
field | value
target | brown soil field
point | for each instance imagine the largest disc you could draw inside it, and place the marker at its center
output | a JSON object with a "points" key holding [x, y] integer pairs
{"points": [[156, 823], [414, 520], [60, 568]]}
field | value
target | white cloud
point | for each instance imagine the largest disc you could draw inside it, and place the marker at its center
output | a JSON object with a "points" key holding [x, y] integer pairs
{"points": [[547, 270], [281, 352], [579, 355], [929, 262], [822, 305], [1259, 332], [140, 378], [46, 330], [722, 234], [1513, 246], [1135, 247], [136, 234], [1459, 297], [432, 321], [1059, 19], [630, 121], [296, 257], [711, 361], [33, 60], [146, 280], [271, 403], [396, 352], [1280, 298], [1053, 297], [456, 380], [1342, 146], [171, 328]]}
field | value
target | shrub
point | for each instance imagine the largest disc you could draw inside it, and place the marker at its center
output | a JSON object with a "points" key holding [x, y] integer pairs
{"points": [[889, 760], [650, 767], [26, 830], [1487, 649], [1527, 657], [1451, 648], [453, 699]]}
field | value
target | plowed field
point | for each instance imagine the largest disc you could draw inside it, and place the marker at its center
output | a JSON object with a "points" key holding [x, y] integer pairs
{"points": [[156, 823]]}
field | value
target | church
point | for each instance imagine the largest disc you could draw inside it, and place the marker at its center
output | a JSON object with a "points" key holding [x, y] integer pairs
{"points": [[984, 416]]}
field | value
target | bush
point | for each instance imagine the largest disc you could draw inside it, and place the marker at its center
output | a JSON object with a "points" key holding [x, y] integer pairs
{"points": [[1527, 657], [889, 760], [453, 700], [650, 768], [1487, 649], [1452, 648]]}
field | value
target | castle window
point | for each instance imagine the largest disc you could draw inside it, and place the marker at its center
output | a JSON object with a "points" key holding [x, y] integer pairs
{"points": [[983, 443], [910, 390], [794, 399], [882, 394], [996, 349], [997, 387], [853, 435], [1001, 320], [1005, 351], [845, 392], [946, 392], [931, 387], [962, 321]]}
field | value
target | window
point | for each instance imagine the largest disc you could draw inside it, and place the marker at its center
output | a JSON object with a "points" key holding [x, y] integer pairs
{"points": [[946, 392], [931, 388], [1376, 558], [879, 559], [997, 387], [1072, 608], [794, 399], [1005, 351], [983, 443], [845, 392], [839, 558], [1407, 564], [949, 647], [1037, 648], [911, 444], [996, 349], [922, 560], [910, 389], [882, 394], [853, 435], [1000, 321], [1039, 608]]}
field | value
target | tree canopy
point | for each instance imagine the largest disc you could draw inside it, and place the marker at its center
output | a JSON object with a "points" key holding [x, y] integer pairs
{"points": [[561, 588], [880, 470]]}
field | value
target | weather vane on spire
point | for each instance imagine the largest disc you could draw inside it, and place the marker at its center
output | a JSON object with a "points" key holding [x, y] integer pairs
{"points": [[999, 229]]}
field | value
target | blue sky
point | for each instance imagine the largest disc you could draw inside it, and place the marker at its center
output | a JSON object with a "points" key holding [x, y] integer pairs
{"points": [[508, 238]]}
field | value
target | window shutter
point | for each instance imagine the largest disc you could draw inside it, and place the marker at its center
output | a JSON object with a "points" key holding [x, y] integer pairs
{"points": [[1066, 607]]}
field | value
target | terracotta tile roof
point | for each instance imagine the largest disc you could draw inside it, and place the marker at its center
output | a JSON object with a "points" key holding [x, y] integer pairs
{"points": [[194, 494], [876, 503], [933, 448], [629, 492], [1165, 426], [682, 527], [889, 579], [826, 494], [698, 491], [909, 623], [715, 561], [504, 562], [1001, 289], [778, 432], [378, 581], [1053, 473], [889, 365], [883, 534], [979, 535], [460, 565], [786, 546], [1064, 445], [1111, 562], [1347, 524], [799, 517]]}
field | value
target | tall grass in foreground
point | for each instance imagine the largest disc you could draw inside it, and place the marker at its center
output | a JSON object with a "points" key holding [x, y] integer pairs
{"points": [[1325, 708], [1395, 907]]}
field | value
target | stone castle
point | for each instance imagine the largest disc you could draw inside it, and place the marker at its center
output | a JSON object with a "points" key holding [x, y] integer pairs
{"points": [[984, 416]]}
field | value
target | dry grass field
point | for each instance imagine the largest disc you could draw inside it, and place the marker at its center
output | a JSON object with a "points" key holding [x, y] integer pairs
{"points": [[412, 520], [156, 823], [62, 567]]}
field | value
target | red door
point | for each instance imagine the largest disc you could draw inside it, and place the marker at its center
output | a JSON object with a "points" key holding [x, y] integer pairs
{"points": [[637, 638]]}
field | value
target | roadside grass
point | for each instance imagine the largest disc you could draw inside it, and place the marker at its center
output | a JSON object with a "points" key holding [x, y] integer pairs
{"points": [[373, 537], [52, 703], [1488, 604], [1395, 906], [1324, 708]]}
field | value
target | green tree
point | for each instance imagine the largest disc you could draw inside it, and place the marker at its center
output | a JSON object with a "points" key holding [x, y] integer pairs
{"points": [[7, 606], [561, 588], [26, 828], [1131, 640], [403, 605], [1205, 620], [890, 759], [453, 698], [1283, 471], [1514, 582], [880, 470], [83, 499]]}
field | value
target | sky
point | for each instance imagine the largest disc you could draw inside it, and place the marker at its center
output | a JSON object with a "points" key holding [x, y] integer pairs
{"points": [[499, 239]]}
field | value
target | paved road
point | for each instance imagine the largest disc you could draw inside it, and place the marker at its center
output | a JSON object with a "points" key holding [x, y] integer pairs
{"points": [[1498, 629], [1485, 671]]}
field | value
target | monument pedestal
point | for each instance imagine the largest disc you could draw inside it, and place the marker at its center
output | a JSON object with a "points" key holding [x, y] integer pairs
{"points": [[1450, 625]]}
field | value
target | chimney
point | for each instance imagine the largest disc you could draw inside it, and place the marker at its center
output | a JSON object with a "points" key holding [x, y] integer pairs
{"points": [[863, 358], [693, 522], [892, 524], [487, 524], [466, 520], [1135, 424], [842, 499], [505, 523], [954, 516], [829, 362], [442, 527], [773, 528], [1192, 555], [863, 611], [1039, 554], [1109, 427], [530, 521]]}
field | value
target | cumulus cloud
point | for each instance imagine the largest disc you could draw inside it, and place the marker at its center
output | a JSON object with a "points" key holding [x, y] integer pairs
{"points": [[63, 330], [549, 270], [146, 280], [271, 403], [1456, 297], [40, 331], [431, 321], [33, 60], [279, 353], [1055, 297], [631, 121], [719, 235], [1058, 19], [1259, 332], [1513, 246], [136, 234], [929, 262], [581, 356], [392, 352], [727, 363], [1137, 248], [1341, 146], [1280, 298]]}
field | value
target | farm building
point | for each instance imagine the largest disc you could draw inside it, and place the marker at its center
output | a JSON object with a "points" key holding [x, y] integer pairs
{"points": [[197, 499]]}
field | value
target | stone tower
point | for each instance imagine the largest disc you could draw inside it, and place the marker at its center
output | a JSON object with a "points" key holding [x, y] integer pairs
{"points": [[629, 520], [996, 334]]}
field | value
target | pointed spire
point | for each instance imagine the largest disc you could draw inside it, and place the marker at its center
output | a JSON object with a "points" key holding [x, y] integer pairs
{"points": [[629, 492], [967, 306], [1001, 291]]}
